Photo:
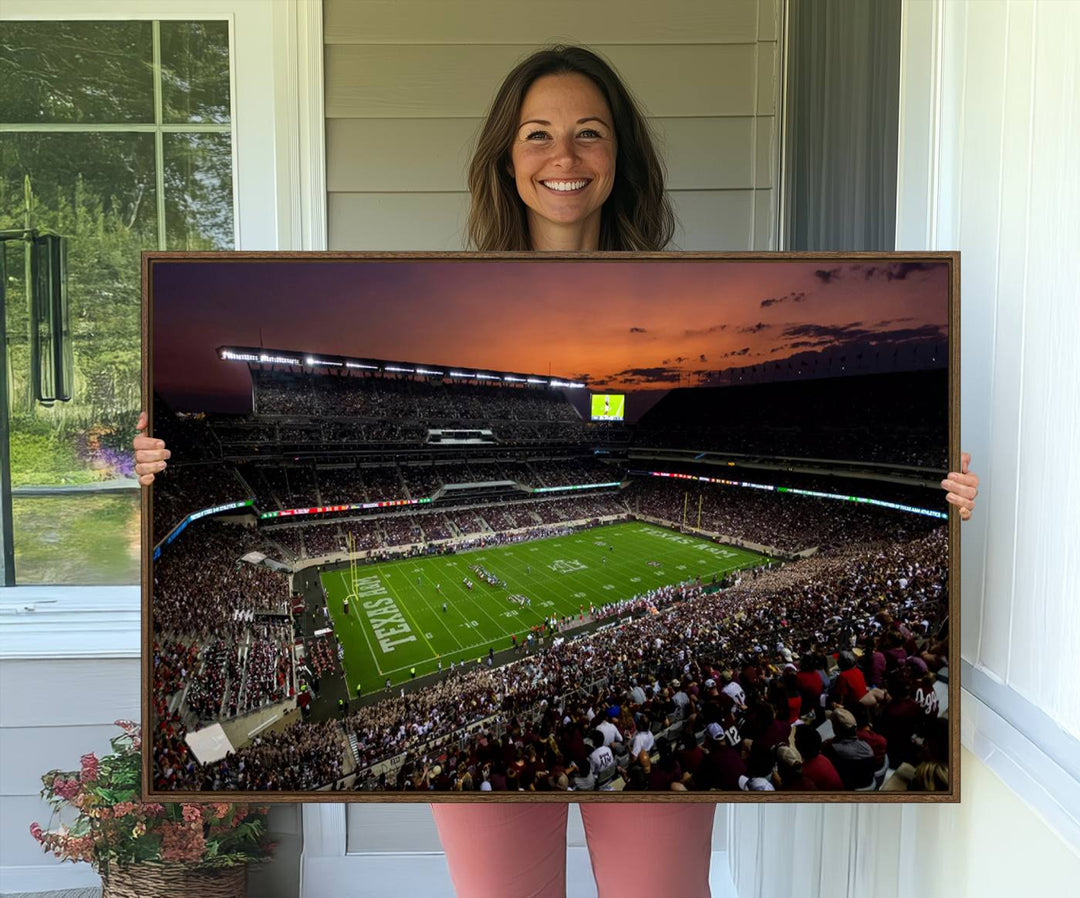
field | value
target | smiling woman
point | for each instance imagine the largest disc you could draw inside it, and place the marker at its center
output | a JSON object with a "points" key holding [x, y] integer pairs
{"points": [[561, 117], [563, 160]]}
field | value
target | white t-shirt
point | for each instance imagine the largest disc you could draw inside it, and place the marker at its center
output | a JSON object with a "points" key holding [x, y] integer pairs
{"points": [[600, 759], [735, 692], [610, 731], [643, 741]]}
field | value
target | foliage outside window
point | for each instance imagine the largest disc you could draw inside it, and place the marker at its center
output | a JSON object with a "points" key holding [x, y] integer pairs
{"points": [[118, 136]]}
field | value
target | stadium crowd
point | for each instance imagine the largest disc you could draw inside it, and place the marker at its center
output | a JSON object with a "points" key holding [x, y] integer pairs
{"points": [[766, 517], [702, 691], [713, 681], [373, 397]]}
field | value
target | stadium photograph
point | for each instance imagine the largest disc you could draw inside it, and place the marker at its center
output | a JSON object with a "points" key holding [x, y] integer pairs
{"points": [[559, 528]]}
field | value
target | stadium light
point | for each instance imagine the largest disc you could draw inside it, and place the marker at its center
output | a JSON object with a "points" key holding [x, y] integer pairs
{"points": [[358, 365], [461, 374], [432, 373], [400, 370], [536, 380]]}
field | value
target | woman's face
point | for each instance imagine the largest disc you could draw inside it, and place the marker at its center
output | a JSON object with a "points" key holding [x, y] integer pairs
{"points": [[563, 159]]}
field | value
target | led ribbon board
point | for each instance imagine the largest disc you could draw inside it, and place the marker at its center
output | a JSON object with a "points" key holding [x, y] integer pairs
{"points": [[880, 503], [194, 516], [355, 506]]}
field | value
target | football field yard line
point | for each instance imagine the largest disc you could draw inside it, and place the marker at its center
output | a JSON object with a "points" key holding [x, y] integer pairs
{"points": [[405, 610], [635, 543], [423, 599], [351, 591], [510, 560], [474, 601]]}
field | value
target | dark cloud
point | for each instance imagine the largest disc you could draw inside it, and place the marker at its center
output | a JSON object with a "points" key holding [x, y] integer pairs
{"points": [[755, 328], [776, 300], [701, 358], [899, 271], [715, 329], [827, 332], [820, 336], [653, 375], [638, 330], [825, 275], [895, 271], [736, 352], [904, 334]]}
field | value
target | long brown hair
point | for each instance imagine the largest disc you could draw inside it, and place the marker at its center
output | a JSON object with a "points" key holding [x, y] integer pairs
{"points": [[637, 214]]}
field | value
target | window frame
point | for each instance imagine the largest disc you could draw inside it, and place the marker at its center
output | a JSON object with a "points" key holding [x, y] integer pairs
{"points": [[276, 94]]}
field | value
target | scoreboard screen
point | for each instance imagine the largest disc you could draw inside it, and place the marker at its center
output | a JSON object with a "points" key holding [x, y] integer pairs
{"points": [[608, 406]]}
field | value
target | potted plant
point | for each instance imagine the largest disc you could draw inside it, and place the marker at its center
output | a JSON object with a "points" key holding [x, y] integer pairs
{"points": [[166, 850]]}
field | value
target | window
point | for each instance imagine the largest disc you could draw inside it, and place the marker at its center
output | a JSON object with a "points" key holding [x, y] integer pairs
{"points": [[118, 136]]}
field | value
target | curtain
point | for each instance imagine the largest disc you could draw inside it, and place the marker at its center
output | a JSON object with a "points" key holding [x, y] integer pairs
{"points": [[840, 124]]}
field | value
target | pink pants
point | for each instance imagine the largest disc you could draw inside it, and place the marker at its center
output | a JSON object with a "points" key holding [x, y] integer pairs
{"points": [[519, 850]]}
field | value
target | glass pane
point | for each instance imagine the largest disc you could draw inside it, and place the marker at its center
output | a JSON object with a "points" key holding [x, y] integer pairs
{"points": [[76, 72], [195, 72], [98, 191], [77, 540], [198, 192]]}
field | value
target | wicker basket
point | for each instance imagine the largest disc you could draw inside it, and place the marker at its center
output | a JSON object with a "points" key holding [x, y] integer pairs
{"points": [[174, 881]]}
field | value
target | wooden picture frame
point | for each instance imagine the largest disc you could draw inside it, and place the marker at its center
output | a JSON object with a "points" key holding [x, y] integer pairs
{"points": [[371, 334]]}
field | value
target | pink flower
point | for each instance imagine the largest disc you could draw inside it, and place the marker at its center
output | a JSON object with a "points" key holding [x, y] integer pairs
{"points": [[89, 768], [36, 832], [65, 788], [192, 813], [181, 842], [153, 809]]}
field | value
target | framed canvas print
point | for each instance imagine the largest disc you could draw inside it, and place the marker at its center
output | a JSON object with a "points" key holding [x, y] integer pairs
{"points": [[467, 527]]}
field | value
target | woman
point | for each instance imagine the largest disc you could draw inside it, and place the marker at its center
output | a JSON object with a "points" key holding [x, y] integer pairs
{"points": [[565, 163]]}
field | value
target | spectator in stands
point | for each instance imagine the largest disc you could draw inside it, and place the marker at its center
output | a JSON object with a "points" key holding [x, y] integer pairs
{"points": [[852, 758], [816, 767]]}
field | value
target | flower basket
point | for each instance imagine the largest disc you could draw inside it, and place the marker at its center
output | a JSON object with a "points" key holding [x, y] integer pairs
{"points": [[174, 881], [149, 849]]}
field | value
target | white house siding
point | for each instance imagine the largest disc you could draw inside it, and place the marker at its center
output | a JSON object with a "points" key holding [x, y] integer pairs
{"points": [[408, 83]]}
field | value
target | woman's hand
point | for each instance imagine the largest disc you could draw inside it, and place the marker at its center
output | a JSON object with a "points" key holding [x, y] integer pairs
{"points": [[150, 454], [963, 487]]}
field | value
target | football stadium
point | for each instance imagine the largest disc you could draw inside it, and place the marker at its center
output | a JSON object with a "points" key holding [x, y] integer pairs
{"points": [[392, 576]]}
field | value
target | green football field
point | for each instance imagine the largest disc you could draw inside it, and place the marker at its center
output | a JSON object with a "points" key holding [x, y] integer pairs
{"points": [[396, 619]]}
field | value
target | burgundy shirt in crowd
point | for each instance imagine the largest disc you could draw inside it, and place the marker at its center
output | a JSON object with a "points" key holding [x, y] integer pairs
{"points": [[850, 686], [721, 769], [821, 771]]}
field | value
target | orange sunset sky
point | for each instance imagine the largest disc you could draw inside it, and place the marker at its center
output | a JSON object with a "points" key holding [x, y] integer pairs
{"points": [[621, 324]]}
